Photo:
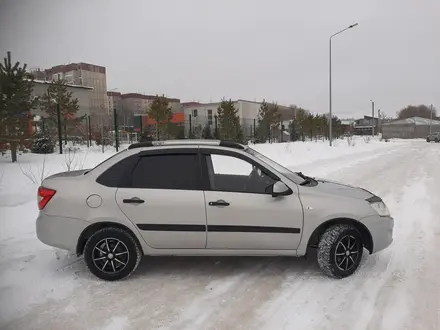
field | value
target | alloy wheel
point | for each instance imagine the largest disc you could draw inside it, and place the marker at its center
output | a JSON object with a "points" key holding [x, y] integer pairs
{"points": [[110, 255], [347, 253]]}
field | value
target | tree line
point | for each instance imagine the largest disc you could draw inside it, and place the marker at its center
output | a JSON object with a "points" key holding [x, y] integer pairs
{"points": [[17, 101]]}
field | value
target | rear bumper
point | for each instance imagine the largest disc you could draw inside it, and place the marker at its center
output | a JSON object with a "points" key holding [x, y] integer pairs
{"points": [[60, 232], [381, 230]]}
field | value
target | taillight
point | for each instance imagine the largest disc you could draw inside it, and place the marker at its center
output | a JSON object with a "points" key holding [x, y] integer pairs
{"points": [[44, 196]]}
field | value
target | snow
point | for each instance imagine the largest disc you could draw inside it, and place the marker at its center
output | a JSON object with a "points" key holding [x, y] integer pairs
{"points": [[399, 288]]}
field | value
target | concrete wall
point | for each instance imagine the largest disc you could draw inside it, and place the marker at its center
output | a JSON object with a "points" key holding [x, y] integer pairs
{"points": [[407, 131], [82, 94]]}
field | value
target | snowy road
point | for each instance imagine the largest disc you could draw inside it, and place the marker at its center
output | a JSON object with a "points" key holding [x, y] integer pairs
{"points": [[398, 288]]}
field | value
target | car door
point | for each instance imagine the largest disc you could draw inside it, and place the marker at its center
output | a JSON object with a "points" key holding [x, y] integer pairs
{"points": [[241, 212], [165, 201]]}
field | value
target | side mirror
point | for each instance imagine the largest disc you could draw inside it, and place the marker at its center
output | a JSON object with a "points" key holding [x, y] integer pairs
{"points": [[279, 188]]}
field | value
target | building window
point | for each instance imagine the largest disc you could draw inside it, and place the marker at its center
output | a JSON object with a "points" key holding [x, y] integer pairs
{"points": [[209, 117], [195, 113]]}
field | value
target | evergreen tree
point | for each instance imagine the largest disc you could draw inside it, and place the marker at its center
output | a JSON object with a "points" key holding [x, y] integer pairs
{"points": [[58, 94], [268, 118], [16, 102], [206, 133], [229, 122], [162, 114]]}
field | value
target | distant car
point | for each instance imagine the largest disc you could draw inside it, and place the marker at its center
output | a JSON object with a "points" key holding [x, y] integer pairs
{"points": [[433, 137], [216, 198]]}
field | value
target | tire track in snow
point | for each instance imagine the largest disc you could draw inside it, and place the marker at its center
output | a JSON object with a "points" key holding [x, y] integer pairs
{"points": [[320, 307]]}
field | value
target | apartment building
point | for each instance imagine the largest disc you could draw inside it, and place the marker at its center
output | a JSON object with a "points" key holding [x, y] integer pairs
{"points": [[85, 74], [114, 102]]}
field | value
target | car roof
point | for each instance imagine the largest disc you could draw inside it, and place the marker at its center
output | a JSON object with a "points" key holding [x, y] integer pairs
{"points": [[197, 143]]}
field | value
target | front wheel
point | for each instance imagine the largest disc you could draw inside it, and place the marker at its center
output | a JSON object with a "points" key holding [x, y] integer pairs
{"points": [[340, 251], [112, 254]]}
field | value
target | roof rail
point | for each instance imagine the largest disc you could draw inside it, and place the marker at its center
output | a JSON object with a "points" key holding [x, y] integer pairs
{"points": [[231, 144], [221, 143], [141, 145]]}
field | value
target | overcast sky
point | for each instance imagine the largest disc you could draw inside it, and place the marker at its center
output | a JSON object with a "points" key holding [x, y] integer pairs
{"points": [[250, 49]]}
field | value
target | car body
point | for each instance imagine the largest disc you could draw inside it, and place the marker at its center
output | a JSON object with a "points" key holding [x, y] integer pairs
{"points": [[433, 137], [206, 198]]}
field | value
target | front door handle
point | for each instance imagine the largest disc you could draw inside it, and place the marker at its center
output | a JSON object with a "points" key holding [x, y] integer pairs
{"points": [[220, 202], [133, 200]]}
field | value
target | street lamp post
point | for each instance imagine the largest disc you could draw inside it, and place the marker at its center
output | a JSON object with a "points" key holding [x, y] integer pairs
{"points": [[330, 80], [430, 122], [372, 118]]}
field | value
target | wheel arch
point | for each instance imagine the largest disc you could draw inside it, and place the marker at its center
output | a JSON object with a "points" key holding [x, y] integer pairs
{"points": [[367, 239], [94, 227]]}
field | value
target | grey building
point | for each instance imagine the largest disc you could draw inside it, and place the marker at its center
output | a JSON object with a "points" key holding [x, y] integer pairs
{"points": [[365, 125], [410, 128], [82, 93], [135, 103], [85, 74]]}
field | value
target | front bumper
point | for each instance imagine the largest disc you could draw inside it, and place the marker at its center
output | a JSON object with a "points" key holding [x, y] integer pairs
{"points": [[60, 232], [381, 230]]}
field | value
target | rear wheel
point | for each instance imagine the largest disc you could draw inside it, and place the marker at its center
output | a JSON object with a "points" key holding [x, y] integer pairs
{"points": [[112, 254], [340, 251]]}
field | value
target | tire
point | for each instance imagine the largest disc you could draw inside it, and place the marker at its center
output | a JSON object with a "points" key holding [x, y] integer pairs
{"points": [[331, 255], [112, 254]]}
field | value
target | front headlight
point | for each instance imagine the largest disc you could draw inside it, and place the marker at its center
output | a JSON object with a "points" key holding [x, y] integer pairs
{"points": [[381, 209]]}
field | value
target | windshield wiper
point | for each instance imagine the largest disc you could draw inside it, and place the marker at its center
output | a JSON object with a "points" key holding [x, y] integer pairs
{"points": [[307, 179]]}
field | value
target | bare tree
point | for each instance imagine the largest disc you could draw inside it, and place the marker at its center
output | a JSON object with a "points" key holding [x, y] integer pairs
{"points": [[37, 175]]}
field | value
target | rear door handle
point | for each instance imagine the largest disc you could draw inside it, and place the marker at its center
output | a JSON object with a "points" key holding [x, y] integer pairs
{"points": [[220, 202], [133, 200]]}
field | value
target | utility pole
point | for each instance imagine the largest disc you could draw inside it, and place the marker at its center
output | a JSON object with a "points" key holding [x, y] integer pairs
{"points": [[60, 135], [372, 120], [430, 122]]}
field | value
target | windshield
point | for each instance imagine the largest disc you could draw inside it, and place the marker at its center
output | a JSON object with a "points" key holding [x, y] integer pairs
{"points": [[279, 168]]}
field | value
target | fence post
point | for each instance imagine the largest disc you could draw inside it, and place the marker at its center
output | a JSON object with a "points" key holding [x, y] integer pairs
{"points": [[190, 128], [90, 130], [281, 132], [140, 127], [115, 116], [60, 134], [87, 131]]}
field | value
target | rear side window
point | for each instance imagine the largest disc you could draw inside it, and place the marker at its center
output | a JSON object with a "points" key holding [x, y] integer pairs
{"points": [[119, 174], [178, 171]]}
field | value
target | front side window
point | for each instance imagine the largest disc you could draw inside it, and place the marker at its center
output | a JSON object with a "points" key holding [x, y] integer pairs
{"points": [[277, 167], [177, 171], [228, 173]]}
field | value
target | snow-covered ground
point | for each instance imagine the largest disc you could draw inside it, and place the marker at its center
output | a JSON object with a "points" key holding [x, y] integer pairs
{"points": [[399, 288]]}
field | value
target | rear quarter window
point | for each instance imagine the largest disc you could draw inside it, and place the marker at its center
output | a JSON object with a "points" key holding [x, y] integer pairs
{"points": [[120, 173]]}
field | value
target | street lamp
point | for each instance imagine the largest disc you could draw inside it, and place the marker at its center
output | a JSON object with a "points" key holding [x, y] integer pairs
{"points": [[372, 118], [330, 80]]}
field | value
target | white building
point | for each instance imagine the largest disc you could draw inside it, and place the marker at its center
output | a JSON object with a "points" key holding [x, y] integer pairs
{"points": [[202, 114]]}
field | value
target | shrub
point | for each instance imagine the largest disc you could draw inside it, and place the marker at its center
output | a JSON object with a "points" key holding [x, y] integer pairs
{"points": [[42, 145]]}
